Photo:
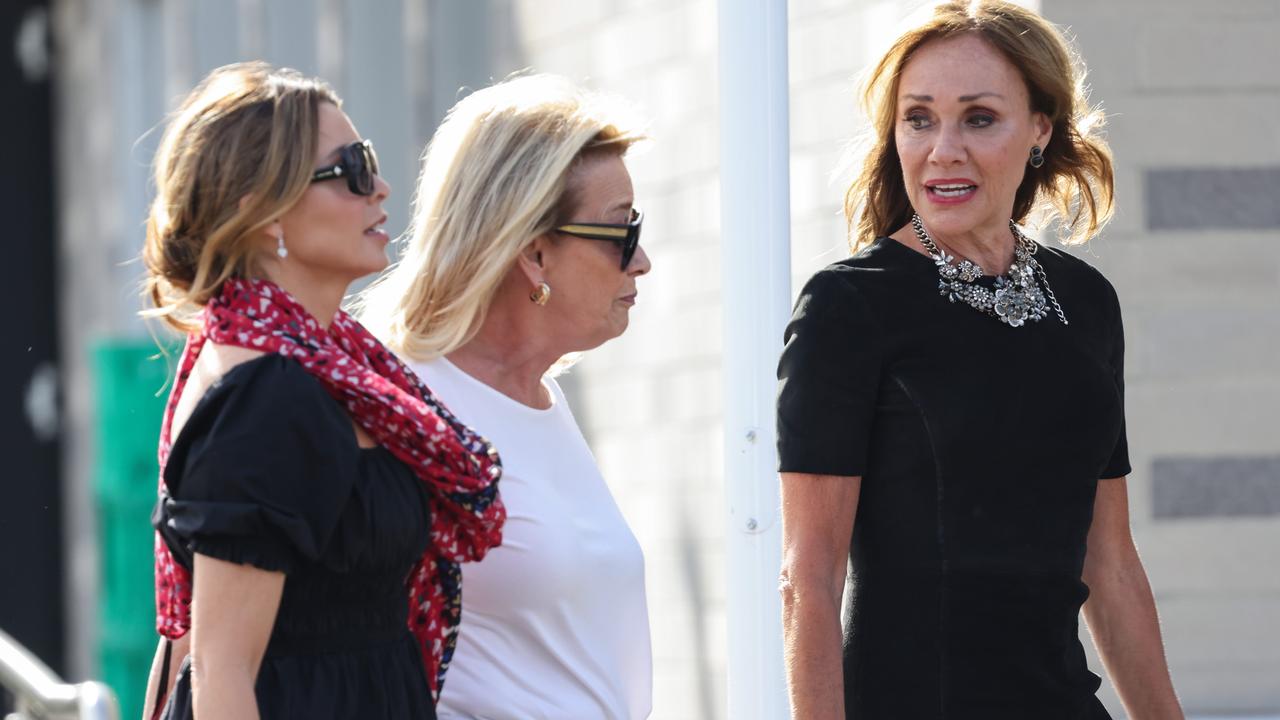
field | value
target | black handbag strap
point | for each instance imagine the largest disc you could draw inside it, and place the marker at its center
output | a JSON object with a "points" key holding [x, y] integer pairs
{"points": [[162, 687]]}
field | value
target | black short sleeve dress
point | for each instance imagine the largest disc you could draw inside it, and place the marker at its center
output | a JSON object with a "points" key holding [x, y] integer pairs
{"points": [[980, 447], [267, 472]]}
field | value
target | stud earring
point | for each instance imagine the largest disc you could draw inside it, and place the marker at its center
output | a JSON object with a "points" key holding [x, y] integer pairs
{"points": [[1037, 156], [280, 248], [541, 295]]}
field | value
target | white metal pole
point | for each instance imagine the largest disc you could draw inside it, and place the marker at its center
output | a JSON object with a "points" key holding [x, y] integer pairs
{"points": [[755, 262]]}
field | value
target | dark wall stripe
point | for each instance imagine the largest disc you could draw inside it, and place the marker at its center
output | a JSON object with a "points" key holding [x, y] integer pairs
{"points": [[1213, 198], [1186, 487]]}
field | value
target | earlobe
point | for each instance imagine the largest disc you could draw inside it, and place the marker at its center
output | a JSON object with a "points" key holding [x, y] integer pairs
{"points": [[273, 229], [1045, 128]]}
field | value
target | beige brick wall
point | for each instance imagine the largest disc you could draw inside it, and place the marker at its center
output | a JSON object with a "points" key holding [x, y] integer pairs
{"points": [[1193, 85]]}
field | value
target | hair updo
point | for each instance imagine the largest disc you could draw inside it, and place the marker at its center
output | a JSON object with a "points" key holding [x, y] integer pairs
{"points": [[236, 154]]}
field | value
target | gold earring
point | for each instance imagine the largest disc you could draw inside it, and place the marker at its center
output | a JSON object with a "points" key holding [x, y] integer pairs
{"points": [[541, 295]]}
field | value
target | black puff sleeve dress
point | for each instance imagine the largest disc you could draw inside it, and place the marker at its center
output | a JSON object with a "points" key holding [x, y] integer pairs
{"points": [[267, 472], [980, 447]]}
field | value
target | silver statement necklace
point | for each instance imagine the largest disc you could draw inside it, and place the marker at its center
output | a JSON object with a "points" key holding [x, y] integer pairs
{"points": [[1017, 297]]}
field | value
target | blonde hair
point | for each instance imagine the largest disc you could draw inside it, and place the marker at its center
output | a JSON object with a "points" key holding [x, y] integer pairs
{"points": [[494, 177], [1075, 186], [236, 154]]}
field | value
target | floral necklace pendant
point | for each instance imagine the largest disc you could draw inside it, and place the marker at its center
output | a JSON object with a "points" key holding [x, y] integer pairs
{"points": [[1017, 298]]}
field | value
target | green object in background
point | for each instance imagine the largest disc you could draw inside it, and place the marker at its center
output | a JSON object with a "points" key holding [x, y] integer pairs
{"points": [[129, 377]]}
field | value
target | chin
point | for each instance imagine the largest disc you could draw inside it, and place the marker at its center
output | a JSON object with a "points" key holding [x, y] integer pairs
{"points": [[604, 335], [619, 327], [950, 221], [375, 265]]}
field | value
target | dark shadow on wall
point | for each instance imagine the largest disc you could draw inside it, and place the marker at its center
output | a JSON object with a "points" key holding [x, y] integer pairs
{"points": [[694, 581]]}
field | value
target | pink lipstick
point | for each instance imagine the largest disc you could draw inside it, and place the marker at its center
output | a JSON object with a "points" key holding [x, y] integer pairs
{"points": [[950, 191]]}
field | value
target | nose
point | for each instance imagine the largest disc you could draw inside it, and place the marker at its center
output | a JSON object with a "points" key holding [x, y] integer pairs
{"points": [[948, 148], [640, 263], [381, 189]]}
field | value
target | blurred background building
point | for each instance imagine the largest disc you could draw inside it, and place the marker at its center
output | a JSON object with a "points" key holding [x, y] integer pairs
{"points": [[1193, 93]]}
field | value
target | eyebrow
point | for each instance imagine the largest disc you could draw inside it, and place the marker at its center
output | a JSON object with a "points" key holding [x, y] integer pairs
{"points": [[335, 154], [619, 207], [962, 98], [331, 157]]}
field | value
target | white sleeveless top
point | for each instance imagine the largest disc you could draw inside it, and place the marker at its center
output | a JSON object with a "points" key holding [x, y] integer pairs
{"points": [[554, 621]]}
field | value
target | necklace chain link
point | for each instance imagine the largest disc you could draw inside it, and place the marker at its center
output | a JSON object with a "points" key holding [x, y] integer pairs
{"points": [[1017, 298]]}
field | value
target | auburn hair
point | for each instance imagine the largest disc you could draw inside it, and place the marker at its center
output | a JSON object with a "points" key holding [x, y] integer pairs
{"points": [[1075, 186]]}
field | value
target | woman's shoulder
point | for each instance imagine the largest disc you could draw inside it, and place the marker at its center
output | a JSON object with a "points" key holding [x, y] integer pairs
{"points": [[219, 359], [1063, 266], [850, 279], [875, 263], [266, 390], [262, 470], [271, 376], [265, 411]]}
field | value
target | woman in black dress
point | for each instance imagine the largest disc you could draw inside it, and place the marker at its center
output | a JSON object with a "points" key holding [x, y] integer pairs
{"points": [[950, 410], [315, 499]]}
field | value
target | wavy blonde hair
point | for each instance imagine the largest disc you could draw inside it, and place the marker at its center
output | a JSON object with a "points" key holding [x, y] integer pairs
{"points": [[236, 154], [494, 177], [1074, 187]]}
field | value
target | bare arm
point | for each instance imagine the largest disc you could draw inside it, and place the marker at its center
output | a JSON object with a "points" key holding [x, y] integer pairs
{"points": [[817, 524], [1121, 612], [233, 609]]}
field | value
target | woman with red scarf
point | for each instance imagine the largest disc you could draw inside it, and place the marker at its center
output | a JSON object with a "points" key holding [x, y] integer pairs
{"points": [[315, 499]]}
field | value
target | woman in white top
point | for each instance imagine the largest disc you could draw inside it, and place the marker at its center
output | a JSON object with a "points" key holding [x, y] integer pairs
{"points": [[524, 250]]}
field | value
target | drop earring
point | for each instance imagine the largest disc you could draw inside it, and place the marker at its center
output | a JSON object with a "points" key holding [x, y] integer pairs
{"points": [[1037, 156], [281, 251]]}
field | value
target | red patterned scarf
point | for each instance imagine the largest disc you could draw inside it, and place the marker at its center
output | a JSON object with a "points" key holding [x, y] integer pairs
{"points": [[391, 403]]}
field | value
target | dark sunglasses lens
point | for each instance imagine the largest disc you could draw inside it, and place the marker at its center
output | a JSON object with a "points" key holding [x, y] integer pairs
{"points": [[356, 160], [369, 161], [629, 246], [633, 238]]}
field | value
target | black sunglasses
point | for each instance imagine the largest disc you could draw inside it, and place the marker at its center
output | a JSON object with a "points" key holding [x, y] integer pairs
{"points": [[358, 163], [626, 236]]}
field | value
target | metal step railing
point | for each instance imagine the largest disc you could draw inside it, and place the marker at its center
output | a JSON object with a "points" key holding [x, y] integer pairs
{"points": [[39, 694]]}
